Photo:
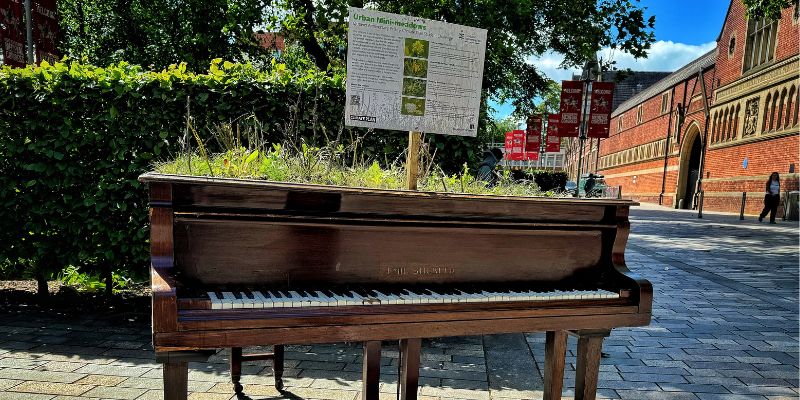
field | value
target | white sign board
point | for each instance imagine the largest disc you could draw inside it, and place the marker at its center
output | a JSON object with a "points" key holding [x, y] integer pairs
{"points": [[413, 74]]}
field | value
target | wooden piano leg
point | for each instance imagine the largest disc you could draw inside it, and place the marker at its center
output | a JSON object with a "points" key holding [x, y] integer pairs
{"points": [[554, 355], [277, 365], [409, 370], [372, 370], [176, 380], [588, 363], [236, 369]]}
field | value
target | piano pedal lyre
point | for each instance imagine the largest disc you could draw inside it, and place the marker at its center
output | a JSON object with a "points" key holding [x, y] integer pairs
{"points": [[236, 366]]}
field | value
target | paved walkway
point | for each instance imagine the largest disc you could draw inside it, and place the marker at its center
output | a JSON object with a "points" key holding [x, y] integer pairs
{"points": [[725, 326]]}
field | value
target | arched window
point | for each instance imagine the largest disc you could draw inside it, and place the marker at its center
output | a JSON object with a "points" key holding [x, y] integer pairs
{"points": [[766, 113], [714, 127], [724, 133], [779, 122], [796, 106], [787, 122], [773, 111]]}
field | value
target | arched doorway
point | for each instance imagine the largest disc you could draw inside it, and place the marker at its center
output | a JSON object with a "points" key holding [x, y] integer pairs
{"points": [[691, 152]]}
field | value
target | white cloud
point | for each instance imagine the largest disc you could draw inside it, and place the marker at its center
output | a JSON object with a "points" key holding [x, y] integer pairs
{"points": [[663, 56]]}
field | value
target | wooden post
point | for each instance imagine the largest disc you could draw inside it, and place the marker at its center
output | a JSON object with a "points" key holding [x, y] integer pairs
{"points": [[409, 370], [371, 370], [555, 350], [412, 159], [588, 363], [176, 380]]}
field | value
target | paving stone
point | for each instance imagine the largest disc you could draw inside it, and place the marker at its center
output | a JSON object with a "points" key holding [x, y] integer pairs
{"points": [[41, 376], [101, 380], [51, 388], [106, 392], [116, 370], [27, 396], [210, 396], [60, 366]]}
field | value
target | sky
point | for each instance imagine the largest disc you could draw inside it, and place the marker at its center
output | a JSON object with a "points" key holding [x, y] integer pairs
{"points": [[684, 30]]}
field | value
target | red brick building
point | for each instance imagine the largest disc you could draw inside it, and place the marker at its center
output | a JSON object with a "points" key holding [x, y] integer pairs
{"points": [[720, 125]]}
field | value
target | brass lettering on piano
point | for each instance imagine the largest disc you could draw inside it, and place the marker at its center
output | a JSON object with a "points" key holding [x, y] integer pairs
{"points": [[419, 270]]}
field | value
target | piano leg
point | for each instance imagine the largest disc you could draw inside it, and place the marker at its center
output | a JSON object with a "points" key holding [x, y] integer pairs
{"points": [[554, 355], [588, 363], [371, 370], [176, 380], [277, 366], [409, 370], [236, 369]]}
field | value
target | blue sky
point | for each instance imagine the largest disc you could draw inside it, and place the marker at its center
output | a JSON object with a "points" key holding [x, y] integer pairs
{"points": [[684, 30]]}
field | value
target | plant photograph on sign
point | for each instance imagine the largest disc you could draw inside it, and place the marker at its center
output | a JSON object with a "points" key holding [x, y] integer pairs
{"points": [[413, 106], [416, 48], [415, 67], [414, 87]]}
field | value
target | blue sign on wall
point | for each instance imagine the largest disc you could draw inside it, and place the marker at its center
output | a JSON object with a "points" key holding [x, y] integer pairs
{"points": [[744, 163]]}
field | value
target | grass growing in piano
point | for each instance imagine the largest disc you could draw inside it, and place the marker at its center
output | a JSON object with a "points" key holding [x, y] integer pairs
{"points": [[245, 154]]}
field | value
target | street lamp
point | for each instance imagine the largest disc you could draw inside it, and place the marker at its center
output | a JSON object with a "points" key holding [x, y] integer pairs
{"points": [[589, 74]]}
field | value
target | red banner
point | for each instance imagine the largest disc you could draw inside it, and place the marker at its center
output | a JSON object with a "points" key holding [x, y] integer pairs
{"points": [[45, 30], [599, 116], [518, 149], [533, 134], [531, 156], [12, 32], [570, 108], [508, 146], [552, 132]]}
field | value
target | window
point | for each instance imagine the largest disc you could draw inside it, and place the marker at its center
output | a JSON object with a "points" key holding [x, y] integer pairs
{"points": [[664, 102], [619, 124], [639, 115], [732, 46], [760, 48]]}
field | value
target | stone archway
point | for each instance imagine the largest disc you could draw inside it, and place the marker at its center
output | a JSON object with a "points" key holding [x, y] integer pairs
{"points": [[691, 149]]}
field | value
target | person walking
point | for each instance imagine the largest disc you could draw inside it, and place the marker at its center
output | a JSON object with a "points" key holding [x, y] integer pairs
{"points": [[772, 198]]}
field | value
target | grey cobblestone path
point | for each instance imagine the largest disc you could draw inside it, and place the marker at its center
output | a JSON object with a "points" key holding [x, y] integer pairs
{"points": [[725, 327]]}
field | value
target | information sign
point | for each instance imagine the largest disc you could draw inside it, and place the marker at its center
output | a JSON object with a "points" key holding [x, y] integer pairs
{"points": [[413, 74]]}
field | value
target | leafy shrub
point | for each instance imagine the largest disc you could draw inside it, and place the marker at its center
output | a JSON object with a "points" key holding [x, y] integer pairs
{"points": [[74, 138]]}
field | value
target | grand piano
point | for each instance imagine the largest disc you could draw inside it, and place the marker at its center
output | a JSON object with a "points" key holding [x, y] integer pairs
{"points": [[239, 263]]}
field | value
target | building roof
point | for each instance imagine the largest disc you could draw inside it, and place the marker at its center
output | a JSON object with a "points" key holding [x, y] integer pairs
{"points": [[632, 84], [688, 70]]}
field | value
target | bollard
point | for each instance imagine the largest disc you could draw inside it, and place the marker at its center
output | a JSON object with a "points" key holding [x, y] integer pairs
{"points": [[741, 212], [619, 192], [785, 205], [700, 206]]}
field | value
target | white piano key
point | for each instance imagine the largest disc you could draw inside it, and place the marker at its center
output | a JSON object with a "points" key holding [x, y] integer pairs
{"points": [[231, 301], [247, 302], [261, 300], [216, 302]]}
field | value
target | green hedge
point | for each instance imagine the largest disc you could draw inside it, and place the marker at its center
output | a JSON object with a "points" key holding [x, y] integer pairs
{"points": [[74, 138]]}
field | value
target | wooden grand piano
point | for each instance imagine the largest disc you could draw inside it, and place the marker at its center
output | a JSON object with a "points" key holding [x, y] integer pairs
{"points": [[240, 263]]}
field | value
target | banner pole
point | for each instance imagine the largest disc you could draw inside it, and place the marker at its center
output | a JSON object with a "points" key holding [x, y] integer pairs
{"points": [[412, 159], [29, 30]]}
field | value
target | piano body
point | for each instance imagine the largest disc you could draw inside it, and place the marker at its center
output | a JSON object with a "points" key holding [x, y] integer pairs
{"points": [[240, 263]]}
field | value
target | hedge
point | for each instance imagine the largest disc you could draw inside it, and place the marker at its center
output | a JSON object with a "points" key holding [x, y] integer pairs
{"points": [[74, 138]]}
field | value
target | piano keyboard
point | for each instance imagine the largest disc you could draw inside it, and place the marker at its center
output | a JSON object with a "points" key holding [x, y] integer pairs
{"points": [[368, 297]]}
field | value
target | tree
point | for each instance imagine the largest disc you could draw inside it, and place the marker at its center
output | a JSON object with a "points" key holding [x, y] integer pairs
{"points": [[157, 34], [770, 9]]}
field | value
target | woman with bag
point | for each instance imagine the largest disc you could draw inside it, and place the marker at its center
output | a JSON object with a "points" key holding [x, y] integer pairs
{"points": [[772, 198]]}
